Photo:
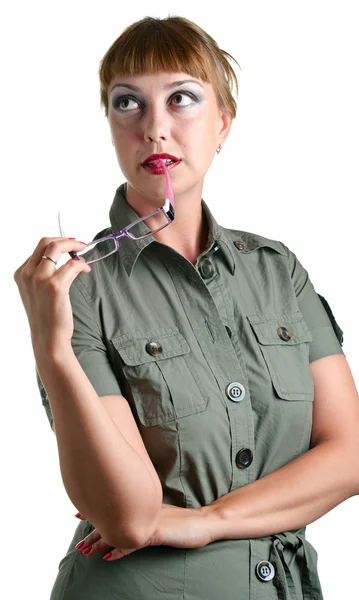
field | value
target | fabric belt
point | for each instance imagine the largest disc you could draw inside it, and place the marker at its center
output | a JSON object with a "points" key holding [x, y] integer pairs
{"points": [[284, 579]]}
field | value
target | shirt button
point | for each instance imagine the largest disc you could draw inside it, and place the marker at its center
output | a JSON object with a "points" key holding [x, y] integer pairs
{"points": [[244, 458], [284, 334], [154, 348], [206, 268], [265, 571], [239, 244], [229, 331], [235, 391]]}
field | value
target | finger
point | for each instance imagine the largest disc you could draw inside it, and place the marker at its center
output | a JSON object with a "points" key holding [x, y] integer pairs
{"points": [[79, 516], [53, 247], [39, 251], [118, 553], [89, 540], [54, 251], [63, 277], [91, 549]]}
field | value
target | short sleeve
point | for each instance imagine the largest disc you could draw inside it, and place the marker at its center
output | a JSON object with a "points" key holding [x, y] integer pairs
{"points": [[326, 333], [88, 343]]}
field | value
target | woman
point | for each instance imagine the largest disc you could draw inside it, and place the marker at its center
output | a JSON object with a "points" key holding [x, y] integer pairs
{"points": [[192, 376]]}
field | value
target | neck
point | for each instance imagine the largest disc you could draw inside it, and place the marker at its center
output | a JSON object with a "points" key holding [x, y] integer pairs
{"points": [[188, 233]]}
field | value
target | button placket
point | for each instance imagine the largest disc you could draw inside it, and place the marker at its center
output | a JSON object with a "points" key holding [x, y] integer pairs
{"points": [[225, 361]]}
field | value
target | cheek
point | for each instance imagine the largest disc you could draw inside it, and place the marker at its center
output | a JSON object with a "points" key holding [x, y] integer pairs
{"points": [[204, 127], [120, 127], [121, 131]]}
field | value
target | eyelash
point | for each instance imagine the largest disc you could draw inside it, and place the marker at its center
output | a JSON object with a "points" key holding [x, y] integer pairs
{"points": [[116, 101]]}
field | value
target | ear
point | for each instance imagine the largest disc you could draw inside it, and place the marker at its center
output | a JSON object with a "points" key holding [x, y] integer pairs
{"points": [[226, 121]]}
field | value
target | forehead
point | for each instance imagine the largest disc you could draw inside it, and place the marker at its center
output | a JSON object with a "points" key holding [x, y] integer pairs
{"points": [[159, 81]]}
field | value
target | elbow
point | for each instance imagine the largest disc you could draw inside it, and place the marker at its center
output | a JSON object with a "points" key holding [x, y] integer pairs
{"points": [[135, 537], [123, 540], [136, 531]]}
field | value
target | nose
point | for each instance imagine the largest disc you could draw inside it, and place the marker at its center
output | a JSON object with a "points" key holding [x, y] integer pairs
{"points": [[155, 125]]}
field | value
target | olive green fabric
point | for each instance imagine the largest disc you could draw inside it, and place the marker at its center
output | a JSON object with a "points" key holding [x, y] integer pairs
{"points": [[245, 313]]}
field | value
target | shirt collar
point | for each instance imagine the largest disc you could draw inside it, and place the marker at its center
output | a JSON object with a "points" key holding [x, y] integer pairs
{"points": [[231, 242], [122, 214]]}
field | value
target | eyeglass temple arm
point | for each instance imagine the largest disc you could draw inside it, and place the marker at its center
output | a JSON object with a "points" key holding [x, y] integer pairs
{"points": [[169, 193], [72, 254]]}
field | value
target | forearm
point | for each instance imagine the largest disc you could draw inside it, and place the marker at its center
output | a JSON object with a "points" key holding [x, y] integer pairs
{"points": [[291, 497], [103, 475]]}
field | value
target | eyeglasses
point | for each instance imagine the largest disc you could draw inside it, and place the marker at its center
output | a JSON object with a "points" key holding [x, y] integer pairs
{"points": [[103, 247]]}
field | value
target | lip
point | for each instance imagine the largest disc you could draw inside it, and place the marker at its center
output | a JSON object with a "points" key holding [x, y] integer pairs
{"points": [[158, 170], [157, 156]]}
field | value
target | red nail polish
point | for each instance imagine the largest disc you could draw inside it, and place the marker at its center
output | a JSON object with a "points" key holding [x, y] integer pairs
{"points": [[87, 550], [107, 556], [79, 545], [77, 240]]}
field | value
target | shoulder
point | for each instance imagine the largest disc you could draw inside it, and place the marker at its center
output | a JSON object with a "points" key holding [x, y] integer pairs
{"points": [[280, 260], [248, 242]]}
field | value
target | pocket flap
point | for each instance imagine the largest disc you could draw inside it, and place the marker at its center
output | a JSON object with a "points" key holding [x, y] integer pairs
{"points": [[132, 346], [268, 327]]}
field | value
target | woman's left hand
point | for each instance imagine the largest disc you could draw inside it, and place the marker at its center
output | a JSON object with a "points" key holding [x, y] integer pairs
{"points": [[178, 527]]}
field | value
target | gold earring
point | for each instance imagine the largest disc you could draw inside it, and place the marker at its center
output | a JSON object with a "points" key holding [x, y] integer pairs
{"points": [[219, 149]]}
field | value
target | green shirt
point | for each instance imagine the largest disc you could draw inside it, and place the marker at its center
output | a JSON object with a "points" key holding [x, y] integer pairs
{"points": [[213, 359]]}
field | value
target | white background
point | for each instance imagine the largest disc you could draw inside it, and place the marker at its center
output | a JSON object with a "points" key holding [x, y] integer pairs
{"points": [[289, 171]]}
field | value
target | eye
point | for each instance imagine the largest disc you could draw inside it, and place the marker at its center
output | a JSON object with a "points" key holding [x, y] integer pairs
{"points": [[125, 103], [183, 99]]}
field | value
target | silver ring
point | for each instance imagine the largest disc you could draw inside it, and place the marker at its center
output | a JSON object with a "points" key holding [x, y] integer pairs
{"points": [[49, 258]]}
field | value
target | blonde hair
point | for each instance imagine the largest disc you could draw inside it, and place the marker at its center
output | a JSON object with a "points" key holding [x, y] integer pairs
{"points": [[176, 45]]}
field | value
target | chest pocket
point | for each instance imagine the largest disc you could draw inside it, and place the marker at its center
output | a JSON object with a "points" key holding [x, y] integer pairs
{"points": [[284, 342], [158, 367]]}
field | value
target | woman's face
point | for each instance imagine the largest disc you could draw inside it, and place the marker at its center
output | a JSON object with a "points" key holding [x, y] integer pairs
{"points": [[165, 113]]}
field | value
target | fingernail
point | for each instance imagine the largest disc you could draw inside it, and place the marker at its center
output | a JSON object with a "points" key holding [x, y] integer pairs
{"points": [[107, 556], [79, 545], [78, 515], [87, 550], [77, 240]]}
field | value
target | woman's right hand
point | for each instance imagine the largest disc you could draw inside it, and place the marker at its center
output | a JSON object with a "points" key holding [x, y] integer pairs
{"points": [[44, 291]]}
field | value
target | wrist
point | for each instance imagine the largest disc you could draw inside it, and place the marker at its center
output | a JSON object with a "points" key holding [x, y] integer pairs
{"points": [[215, 522], [47, 352]]}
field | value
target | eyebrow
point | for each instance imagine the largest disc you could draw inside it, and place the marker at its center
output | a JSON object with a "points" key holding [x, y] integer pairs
{"points": [[165, 87]]}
